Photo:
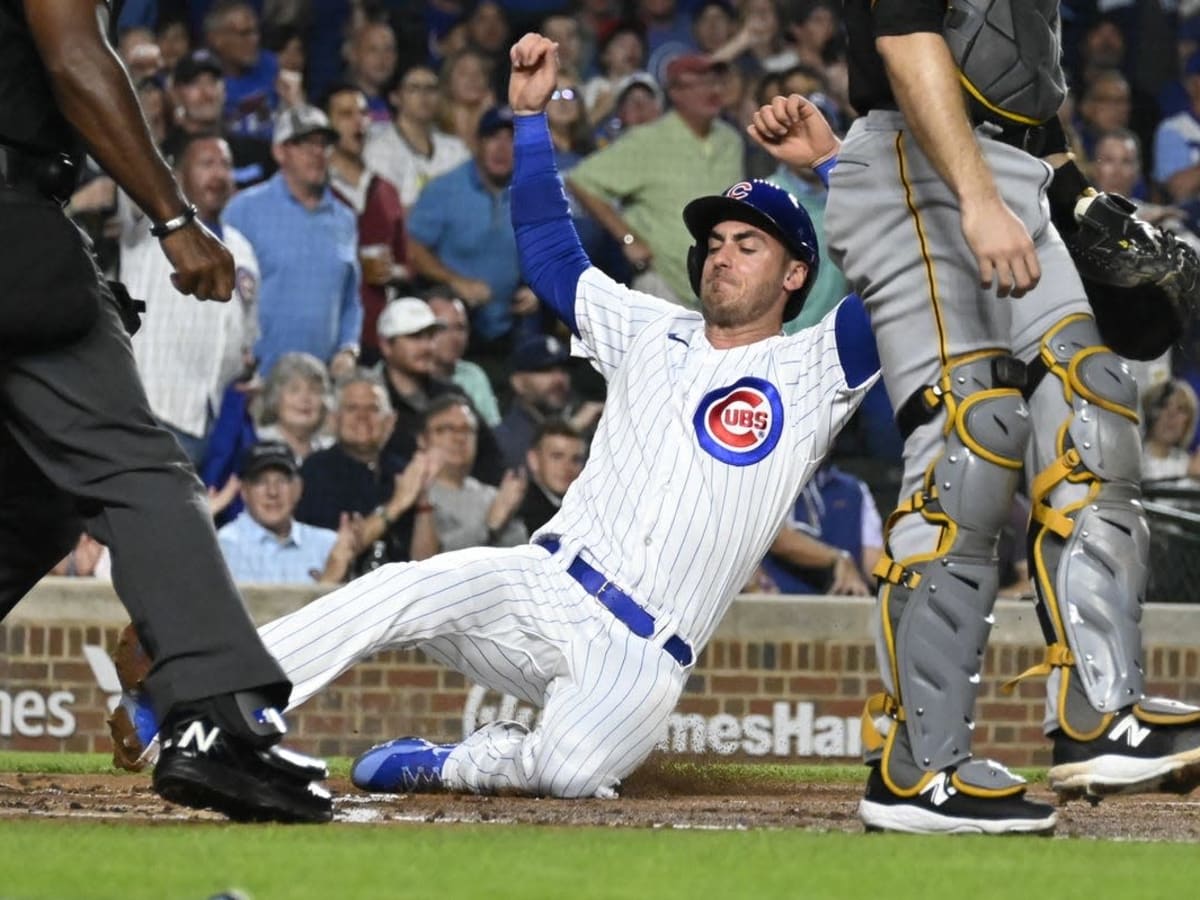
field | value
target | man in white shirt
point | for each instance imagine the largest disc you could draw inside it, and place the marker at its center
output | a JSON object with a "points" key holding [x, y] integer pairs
{"points": [[188, 352]]}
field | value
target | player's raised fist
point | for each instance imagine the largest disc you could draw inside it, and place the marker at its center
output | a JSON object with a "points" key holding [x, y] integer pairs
{"points": [[534, 74], [793, 131]]}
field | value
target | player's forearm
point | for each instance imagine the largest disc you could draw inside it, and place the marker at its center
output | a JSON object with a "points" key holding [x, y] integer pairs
{"points": [[94, 94], [925, 82]]}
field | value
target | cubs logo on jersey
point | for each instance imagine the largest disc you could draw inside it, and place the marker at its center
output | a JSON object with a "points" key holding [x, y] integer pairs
{"points": [[740, 424]]}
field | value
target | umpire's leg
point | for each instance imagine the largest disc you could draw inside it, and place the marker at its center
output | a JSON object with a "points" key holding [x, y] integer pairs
{"points": [[81, 415], [39, 523]]}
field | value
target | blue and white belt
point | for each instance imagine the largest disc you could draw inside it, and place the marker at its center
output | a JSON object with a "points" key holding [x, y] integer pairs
{"points": [[619, 603]]}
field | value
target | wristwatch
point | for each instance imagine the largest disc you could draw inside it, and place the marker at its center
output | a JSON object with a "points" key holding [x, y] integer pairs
{"points": [[162, 229]]}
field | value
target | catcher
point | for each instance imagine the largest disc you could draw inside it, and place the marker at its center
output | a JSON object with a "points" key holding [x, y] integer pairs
{"points": [[997, 315]]}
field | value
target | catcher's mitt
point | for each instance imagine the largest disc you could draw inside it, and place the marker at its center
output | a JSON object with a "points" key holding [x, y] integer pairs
{"points": [[1141, 281]]}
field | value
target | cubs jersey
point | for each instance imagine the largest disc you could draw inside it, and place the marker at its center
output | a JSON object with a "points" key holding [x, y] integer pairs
{"points": [[700, 452]]}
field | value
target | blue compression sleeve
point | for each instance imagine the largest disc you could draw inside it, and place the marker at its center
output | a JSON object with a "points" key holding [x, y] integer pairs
{"points": [[856, 344], [552, 258]]}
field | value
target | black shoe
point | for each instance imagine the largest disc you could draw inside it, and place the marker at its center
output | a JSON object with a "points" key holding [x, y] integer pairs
{"points": [[204, 767], [942, 808], [1132, 756]]}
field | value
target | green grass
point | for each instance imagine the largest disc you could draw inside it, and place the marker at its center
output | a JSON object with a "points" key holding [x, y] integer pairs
{"points": [[43, 859]]}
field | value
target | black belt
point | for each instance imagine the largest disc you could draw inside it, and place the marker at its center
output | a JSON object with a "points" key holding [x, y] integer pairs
{"points": [[620, 604], [50, 175]]}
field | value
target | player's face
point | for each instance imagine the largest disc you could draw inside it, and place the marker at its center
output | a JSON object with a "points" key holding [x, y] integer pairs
{"points": [[202, 98], [746, 276], [557, 461], [301, 407], [363, 421], [207, 176], [454, 432], [348, 116], [271, 498], [450, 343]]}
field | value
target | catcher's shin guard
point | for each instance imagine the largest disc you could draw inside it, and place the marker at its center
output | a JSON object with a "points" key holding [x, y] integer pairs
{"points": [[1088, 536], [936, 599]]}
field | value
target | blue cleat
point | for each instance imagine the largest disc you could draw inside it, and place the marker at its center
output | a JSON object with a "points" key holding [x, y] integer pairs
{"points": [[407, 765], [134, 729]]}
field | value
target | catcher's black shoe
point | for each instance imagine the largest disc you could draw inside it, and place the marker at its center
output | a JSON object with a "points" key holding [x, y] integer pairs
{"points": [[206, 767], [945, 806], [1140, 751]]}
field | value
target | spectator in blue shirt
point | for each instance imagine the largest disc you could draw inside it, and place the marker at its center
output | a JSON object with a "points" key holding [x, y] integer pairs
{"points": [[460, 233], [306, 242], [231, 31], [265, 544]]}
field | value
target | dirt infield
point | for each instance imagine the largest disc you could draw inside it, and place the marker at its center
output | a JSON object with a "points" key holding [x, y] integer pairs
{"points": [[650, 800]]}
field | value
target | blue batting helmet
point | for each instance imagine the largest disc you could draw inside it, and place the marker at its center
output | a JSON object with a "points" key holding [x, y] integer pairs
{"points": [[764, 206]]}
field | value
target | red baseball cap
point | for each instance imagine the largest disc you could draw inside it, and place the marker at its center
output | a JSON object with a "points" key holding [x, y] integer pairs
{"points": [[694, 64]]}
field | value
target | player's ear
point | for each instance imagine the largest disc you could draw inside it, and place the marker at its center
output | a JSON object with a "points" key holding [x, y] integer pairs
{"points": [[796, 275]]}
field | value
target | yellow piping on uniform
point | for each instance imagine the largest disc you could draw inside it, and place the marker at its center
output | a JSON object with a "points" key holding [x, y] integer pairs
{"points": [[887, 778], [924, 244], [1015, 117], [976, 791], [969, 441], [1082, 390]]}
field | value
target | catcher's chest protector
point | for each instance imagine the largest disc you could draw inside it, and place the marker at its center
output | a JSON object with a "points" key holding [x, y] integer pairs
{"points": [[1008, 52]]}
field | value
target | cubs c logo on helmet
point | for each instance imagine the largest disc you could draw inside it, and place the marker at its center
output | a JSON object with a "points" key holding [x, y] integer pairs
{"points": [[740, 424]]}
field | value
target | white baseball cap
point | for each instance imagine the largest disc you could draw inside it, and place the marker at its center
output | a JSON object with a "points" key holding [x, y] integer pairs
{"points": [[405, 316]]}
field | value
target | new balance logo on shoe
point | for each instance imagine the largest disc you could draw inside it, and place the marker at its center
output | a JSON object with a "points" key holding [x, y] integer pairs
{"points": [[196, 735], [1129, 728], [939, 789]]}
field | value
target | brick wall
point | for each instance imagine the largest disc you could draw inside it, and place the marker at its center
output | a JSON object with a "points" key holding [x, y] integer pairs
{"points": [[751, 695]]}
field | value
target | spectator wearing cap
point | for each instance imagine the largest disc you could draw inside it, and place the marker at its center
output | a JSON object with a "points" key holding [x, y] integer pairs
{"points": [[466, 512], [198, 94], [407, 329], [306, 241], [655, 169], [1177, 142], [460, 234], [232, 32], [637, 100], [188, 353], [541, 390], [266, 544], [411, 150], [554, 460], [357, 476], [375, 202], [449, 345]]}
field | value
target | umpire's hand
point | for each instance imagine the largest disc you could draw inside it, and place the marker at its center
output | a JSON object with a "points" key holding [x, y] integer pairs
{"points": [[203, 266], [534, 74]]}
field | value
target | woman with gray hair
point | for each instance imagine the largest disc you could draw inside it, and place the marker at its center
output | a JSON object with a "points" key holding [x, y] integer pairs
{"points": [[294, 404]]}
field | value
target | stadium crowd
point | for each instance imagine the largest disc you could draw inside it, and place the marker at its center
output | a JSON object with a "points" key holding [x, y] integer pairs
{"points": [[384, 385]]}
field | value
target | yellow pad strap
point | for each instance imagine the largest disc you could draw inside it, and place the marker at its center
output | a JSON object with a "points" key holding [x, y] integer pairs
{"points": [[1050, 476], [877, 705], [1056, 655], [974, 790], [887, 569]]}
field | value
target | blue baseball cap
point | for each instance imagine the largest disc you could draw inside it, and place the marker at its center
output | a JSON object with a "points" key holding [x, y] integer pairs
{"points": [[494, 119], [537, 353]]}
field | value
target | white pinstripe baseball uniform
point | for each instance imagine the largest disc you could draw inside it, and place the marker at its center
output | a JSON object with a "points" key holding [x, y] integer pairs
{"points": [[697, 459]]}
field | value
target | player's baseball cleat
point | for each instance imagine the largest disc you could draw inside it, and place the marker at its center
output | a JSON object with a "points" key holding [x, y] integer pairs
{"points": [[205, 767], [407, 765], [1131, 756], [942, 808], [134, 729]]}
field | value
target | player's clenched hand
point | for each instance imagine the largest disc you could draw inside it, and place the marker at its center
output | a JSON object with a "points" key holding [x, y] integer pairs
{"points": [[794, 131], [203, 266], [1002, 246], [534, 74]]}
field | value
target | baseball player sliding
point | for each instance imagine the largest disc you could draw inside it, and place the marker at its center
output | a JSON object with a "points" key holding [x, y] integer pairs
{"points": [[965, 245], [713, 422]]}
